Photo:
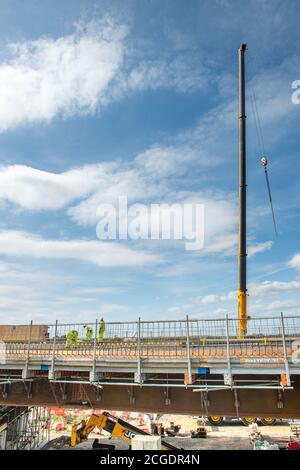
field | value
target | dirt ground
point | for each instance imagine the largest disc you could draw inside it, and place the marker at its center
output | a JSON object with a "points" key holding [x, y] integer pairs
{"points": [[231, 436]]}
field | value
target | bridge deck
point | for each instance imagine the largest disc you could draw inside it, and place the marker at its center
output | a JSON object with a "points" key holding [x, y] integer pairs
{"points": [[260, 348], [166, 347], [156, 366]]}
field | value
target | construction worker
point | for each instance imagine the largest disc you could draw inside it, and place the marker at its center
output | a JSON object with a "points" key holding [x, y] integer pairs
{"points": [[88, 332], [101, 331], [72, 339], [69, 339]]}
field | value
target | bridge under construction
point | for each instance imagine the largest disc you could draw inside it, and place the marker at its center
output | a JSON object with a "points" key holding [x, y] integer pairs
{"points": [[244, 367], [185, 366]]}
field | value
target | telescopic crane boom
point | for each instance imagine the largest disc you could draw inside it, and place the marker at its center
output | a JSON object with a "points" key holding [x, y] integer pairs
{"points": [[242, 255]]}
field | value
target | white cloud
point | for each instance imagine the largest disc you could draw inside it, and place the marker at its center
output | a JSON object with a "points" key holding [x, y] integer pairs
{"points": [[69, 75], [177, 270], [29, 293], [14, 243], [122, 182], [100, 290], [272, 89], [210, 299], [174, 309], [295, 262], [214, 298], [80, 73], [220, 221], [273, 287], [177, 73], [12, 273], [91, 185], [163, 160], [173, 159], [111, 308], [255, 290], [34, 189], [149, 177], [277, 306], [259, 248]]}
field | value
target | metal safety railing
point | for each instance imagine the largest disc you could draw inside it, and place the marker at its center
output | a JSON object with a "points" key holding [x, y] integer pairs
{"points": [[192, 338]]}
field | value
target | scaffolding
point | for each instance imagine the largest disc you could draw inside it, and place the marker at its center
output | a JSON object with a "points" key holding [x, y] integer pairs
{"points": [[23, 428]]}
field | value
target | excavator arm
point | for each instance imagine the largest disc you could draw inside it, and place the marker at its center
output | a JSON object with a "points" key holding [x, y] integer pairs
{"points": [[81, 433], [116, 427]]}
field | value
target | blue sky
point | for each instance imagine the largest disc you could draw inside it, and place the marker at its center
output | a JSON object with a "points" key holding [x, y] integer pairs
{"points": [[106, 98]]}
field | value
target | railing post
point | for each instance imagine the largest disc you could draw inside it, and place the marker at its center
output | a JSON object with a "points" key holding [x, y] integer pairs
{"points": [[138, 378], [25, 371], [228, 376], [51, 372], [188, 352], [93, 373], [286, 362]]}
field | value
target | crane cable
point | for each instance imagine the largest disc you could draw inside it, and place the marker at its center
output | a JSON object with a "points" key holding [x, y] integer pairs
{"points": [[264, 163], [261, 144]]}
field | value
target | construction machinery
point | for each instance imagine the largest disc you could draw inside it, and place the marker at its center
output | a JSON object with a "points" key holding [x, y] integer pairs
{"points": [[242, 237], [220, 420], [116, 427], [242, 254]]}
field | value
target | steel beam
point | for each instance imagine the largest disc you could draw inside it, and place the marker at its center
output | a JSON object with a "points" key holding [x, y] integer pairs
{"points": [[153, 399]]}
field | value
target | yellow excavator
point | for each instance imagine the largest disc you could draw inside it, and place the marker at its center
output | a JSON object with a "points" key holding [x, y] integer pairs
{"points": [[116, 427]]}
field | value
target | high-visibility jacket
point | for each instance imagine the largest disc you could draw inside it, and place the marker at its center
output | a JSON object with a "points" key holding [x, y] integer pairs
{"points": [[89, 333], [72, 338], [101, 332]]}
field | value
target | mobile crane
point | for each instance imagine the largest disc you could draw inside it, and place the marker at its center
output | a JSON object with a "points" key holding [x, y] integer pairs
{"points": [[116, 427]]}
